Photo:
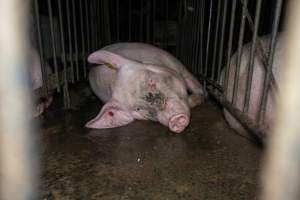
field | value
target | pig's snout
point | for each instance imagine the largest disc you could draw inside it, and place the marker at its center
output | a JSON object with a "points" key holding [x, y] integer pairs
{"points": [[178, 123]]}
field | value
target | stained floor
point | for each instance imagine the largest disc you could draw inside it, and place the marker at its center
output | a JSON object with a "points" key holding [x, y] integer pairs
{"points": [[144, 160]]}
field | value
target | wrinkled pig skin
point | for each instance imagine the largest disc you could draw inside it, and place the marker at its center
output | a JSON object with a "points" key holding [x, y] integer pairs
{"points": [[140, 81], [36, 81], [257, 83]]}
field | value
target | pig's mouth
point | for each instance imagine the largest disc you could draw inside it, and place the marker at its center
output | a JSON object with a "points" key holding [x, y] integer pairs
{"points": [[178, 123]]}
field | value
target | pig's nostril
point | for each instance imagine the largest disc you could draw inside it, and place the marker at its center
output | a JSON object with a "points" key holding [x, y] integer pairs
{"points": [[178, 123]]}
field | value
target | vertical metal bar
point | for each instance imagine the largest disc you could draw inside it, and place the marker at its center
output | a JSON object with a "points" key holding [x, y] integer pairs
{"points": [[208, 40], [141, 19], [148, 21], [153, 20], [106, 21], [18, 160], [129, 20], [239, 53], [232, 18], [92, 19], [197, 33], [83, 53], [118, 19], [70, 40], [281, 180], [62, 36], [75, 39], [191, 43], [179, 28], [222, 39], [270, 62], [41, 48], [87, 25], [53, 46], [202, 7], [216, 40], [252, 55], [167, 24]]}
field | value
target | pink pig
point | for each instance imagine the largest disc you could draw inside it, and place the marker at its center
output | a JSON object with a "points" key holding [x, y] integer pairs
{"points": [[257, 83], [142, 82], [36, 80]]}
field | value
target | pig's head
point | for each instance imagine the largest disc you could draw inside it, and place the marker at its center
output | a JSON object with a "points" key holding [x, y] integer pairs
{"points": [[144, 92]]}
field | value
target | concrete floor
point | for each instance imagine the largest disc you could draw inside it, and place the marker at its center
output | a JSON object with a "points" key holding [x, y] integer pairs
{"points": [[144, 160]]}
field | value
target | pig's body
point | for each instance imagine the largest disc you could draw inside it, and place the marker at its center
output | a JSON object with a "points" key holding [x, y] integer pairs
{"points": [[36, 80], [257, 84], [149, 76]]}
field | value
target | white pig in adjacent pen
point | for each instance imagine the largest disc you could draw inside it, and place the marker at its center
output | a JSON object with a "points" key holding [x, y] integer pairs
{"points": [[257, 83], [142, 82]]}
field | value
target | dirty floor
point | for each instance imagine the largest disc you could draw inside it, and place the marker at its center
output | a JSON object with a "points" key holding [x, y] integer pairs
{"points": [[144, 160]]}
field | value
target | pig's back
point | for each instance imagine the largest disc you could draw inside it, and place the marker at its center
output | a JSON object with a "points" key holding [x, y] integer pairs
{"points": [[146, 53]]}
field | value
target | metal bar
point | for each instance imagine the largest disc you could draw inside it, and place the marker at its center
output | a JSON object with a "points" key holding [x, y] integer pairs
{"points": [[281, 179], [53, 46], [93, 35], [252, 56], [118, 19], [148, 21], [41, 47], [216, 39], [75, 39], [141, 20], [202, 8], [208, 40], [83, 53], [70, 40], [18, 157], [129, 20], [193, 38], [231, 29], [106, 21], [270, 62], [153, 20], [87, 25], [239, 53], [179, 25], [167, 24], [65, 91], [262, 54], [197, 32], [222, 40]]}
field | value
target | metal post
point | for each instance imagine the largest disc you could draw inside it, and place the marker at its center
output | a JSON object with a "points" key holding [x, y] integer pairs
{"points": [[281, 180], [18, 160], [75, 39], [70, 40]]}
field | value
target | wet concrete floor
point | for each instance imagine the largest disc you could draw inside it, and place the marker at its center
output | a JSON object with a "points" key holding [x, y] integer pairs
{"points": [[144, 160]]}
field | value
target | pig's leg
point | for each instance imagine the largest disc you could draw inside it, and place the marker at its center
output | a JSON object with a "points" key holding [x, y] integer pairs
{"points": [[193, 85], [38, 110]]}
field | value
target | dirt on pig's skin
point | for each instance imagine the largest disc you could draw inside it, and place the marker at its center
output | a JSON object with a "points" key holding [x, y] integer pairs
{"points": [[144, 160]]}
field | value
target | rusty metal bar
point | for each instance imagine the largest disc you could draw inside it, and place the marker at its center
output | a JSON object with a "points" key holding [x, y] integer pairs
{"points": [[231, 29], [70, 40], [281, 180], [129, 19], [252, 56], [18, 157], [222, 40], [239, 53], [65, 88], [208, 40], [268, 73], [75, 39], [53, 45], [87, 25], [41, 47], [82, 40], [216, 40]]}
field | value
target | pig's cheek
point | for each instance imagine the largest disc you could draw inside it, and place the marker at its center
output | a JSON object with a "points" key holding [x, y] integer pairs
{"points": [[137, 115]]}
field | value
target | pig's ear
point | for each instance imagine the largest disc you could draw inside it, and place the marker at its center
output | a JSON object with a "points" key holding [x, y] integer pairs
{"points": [[112, 60], [110, 116]]}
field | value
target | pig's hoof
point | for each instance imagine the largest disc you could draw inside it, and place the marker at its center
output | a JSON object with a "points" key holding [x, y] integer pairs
{"points": [[178, 123], [195, 100], [39, 109]]}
